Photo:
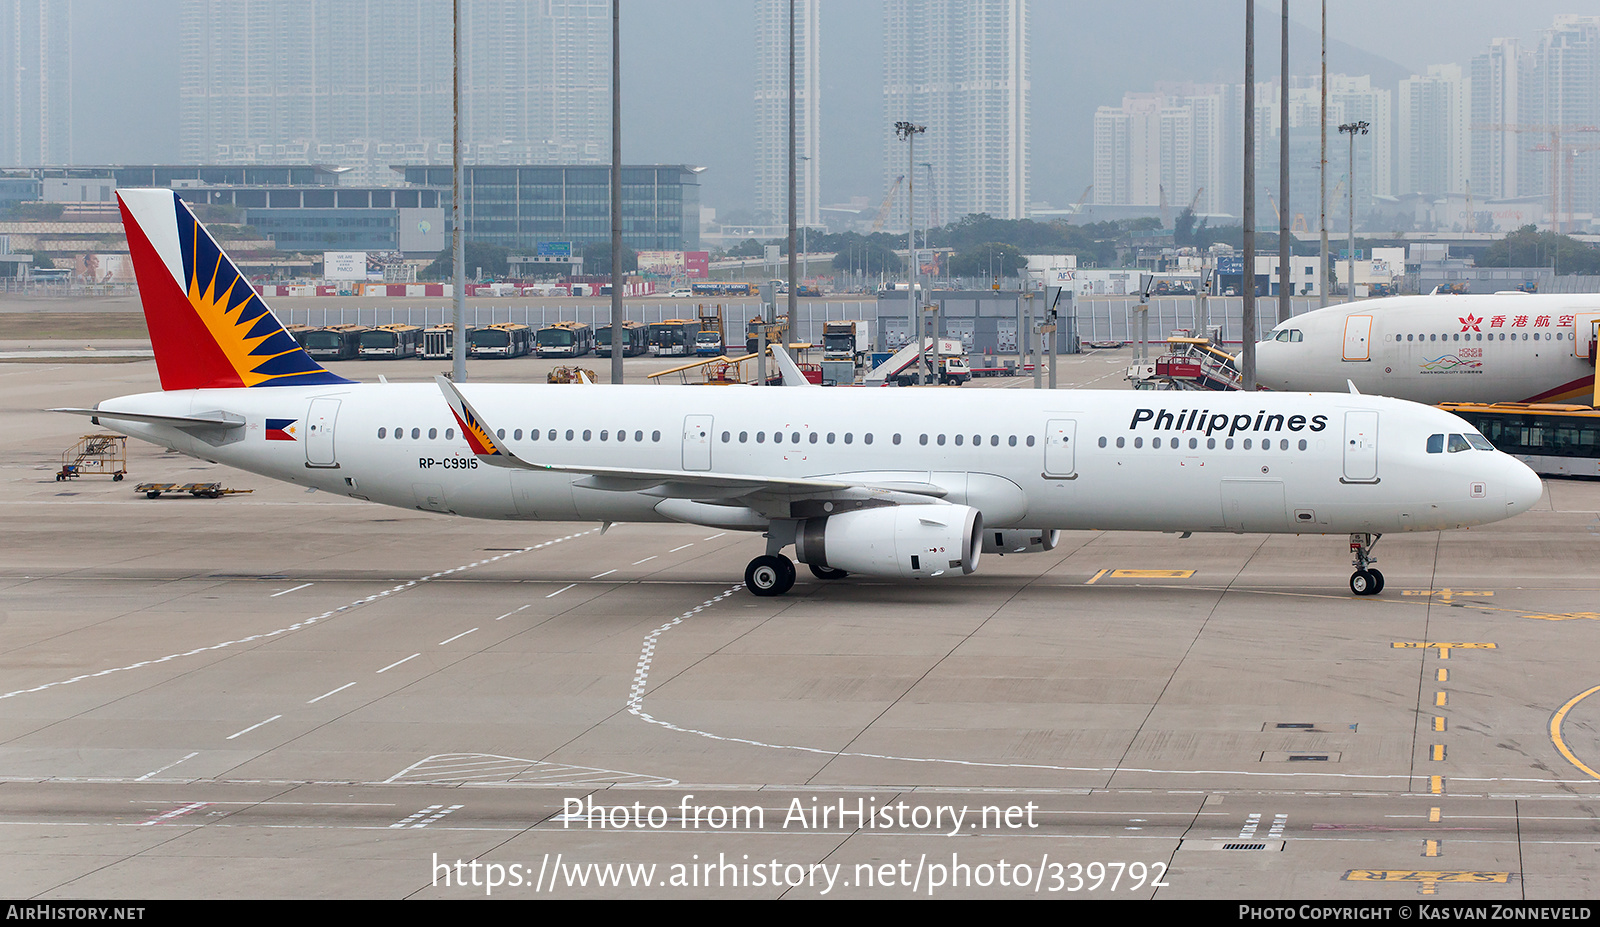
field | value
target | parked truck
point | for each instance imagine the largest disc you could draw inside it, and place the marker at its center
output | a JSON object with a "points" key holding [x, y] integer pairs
{"points": [[944, 361], [847, 340]]}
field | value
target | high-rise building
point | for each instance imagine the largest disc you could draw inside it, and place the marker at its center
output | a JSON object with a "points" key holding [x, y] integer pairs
{"points": [[1501, 100], [772, 112], [1567, 75], [365, 84], [36, 104], [1432, 129], [1163, 144], [959, 67]]}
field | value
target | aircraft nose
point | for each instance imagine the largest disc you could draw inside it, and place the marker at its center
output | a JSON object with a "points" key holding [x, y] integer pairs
{"points": [[1269, 364], [1524, 489]]}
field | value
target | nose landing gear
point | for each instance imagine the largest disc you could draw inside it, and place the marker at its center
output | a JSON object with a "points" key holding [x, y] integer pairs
{"points": [[1365, 580]]}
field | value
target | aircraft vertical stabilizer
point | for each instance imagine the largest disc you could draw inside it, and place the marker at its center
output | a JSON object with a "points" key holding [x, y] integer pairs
{"points": [[208, 327]]}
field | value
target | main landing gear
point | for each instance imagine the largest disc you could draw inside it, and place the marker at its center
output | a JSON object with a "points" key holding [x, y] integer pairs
{"points": [[769, 574], [1365, 580]]}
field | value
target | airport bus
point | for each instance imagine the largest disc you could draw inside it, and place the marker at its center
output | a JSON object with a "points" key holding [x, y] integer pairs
{"points": [[565, 339], [673, 338], [388, 342], [502, 339], [331, 342], [723, 288], [438, 340], [1555, 439], [635, 339]]}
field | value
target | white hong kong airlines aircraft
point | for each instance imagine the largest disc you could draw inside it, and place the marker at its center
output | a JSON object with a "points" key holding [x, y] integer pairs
{"points": [[906, 483], [1503, 347]]}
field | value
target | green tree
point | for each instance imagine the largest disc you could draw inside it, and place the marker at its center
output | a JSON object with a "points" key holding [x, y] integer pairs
{"points": [[1529, 247], [597, 259], [863, 255], [490, 259], [1001, 259]]}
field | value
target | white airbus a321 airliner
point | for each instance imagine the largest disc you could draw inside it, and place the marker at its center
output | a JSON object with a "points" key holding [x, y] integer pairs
{"points": [[907, 483]]}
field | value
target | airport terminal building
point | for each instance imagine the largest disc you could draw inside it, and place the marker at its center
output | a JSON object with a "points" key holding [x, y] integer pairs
{"points": [[306, 208]]}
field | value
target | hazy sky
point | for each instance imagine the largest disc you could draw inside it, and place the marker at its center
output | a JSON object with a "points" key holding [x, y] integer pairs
{"points": [[687, 92]]}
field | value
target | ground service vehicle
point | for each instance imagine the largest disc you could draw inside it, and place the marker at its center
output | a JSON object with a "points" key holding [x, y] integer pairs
{"points": [[334, 342], [437, 340], [635, 339], [389, 342], [721, 288], [707, 344], [673, 338], [849, 340], [502, 339], [565, 339]]}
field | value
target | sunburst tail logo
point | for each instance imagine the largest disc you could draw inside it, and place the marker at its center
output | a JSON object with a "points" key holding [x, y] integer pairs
{"points": [[208, 327]]}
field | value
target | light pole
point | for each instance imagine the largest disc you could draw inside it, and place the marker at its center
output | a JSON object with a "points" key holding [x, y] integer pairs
{"points": [[616, 192], [909, 131], [1322, 123], [458, 253], [1351, 128]]}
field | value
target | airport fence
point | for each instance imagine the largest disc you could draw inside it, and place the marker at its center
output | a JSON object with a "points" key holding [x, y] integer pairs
{"points": [[811, 315]]}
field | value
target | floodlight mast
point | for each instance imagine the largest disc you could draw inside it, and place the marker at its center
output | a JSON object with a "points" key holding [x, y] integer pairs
{"points": [[1351, 129], [909, 131]]}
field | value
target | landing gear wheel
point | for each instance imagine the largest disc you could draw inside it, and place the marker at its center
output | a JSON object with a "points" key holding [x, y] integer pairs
{"points": [[769, 575], [822, 572], [1362, 582], [1379, 577]]}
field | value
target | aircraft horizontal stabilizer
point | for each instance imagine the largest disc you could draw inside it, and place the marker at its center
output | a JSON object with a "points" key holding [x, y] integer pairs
{"points": [[216, 419]]}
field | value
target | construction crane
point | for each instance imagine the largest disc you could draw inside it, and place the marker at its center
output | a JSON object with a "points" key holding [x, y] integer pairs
{"points": [[1077, 210], [888, 203], [1569, 151], [1555, 131]]}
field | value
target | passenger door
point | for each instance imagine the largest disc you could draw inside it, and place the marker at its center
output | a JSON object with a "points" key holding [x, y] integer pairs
{"points": [[319, 433], [1358, 338], [1360, 447]]}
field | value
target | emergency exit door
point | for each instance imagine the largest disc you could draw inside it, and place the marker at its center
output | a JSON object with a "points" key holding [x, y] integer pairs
{"points": [[697, 442]]}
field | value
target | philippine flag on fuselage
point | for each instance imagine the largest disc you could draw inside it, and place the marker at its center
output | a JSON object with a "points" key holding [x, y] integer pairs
{"points": [[281, 429]]}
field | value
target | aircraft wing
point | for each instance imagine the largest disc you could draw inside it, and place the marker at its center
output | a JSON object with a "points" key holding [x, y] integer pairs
{"points": [[792, 375], [669, 484]]}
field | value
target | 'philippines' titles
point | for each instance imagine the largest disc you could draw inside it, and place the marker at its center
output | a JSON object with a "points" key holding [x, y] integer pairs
{"points": [[1198, 419]]}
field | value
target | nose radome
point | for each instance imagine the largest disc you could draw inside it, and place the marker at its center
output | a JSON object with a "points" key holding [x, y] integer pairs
{"points": [[1523, 487]]}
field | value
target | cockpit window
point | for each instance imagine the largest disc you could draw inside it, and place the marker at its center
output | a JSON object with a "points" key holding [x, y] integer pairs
{"points": [[1459, 444], [1288, 334], [1436, 444], [1480, 442]]}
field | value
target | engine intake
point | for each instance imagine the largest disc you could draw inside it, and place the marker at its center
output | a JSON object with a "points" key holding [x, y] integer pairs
{"points": [[905, 541]]}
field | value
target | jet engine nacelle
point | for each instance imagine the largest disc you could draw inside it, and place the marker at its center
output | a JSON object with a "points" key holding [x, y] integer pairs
{"points": [[906, 541], [1020, 540]]}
